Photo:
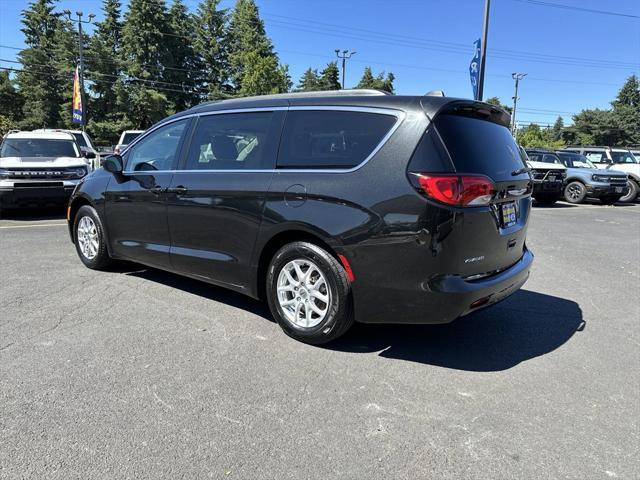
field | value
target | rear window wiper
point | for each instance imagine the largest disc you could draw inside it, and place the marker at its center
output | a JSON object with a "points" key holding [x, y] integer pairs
{"points": [[520, 170]]}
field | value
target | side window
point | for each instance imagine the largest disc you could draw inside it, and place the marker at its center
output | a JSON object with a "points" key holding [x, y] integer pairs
{"points": [[331, 138], [535, 157], [550, 159], [158, 150], [233, 141], [596, 157]]}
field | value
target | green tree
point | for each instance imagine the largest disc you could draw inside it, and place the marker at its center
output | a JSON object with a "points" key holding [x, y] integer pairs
{"points": [[378, 82], [558, 128], [496, 101], [144, 55], [532, 136], [629, 94], [6, 123], [309, 82], [601, 126], [211, 46], [66, 58], [254, 67], [38, 81], [626, 111], [11, 100], [330, 77], [103, 64], [182, 68]]}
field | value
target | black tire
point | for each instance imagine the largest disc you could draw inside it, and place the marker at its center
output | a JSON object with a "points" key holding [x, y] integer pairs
{"points": [[339, 315], [610, 199], [575, 192], [632, 192], [546, 199], [101, 259]]}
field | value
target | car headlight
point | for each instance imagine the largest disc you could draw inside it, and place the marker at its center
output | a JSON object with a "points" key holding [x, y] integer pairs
{"points": [[78, 172], [598, 178]]}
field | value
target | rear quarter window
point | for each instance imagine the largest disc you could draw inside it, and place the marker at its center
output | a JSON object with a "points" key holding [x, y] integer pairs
{"points": [[331, 138]]}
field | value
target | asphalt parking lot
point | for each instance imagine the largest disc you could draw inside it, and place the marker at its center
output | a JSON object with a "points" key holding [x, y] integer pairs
{"points": [[136, 373]]}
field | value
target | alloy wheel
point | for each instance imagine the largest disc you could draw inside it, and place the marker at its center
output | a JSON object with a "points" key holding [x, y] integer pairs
{"points": [[88, 239]]}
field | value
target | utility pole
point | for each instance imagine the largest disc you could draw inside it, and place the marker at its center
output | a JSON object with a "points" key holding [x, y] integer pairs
{"points": [[79, 20], [517, 77], [483, 47], [344, 56]]}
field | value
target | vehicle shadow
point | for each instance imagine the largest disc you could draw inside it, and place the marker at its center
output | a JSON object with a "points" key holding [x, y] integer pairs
{"points": [[32, 214], [194, 287], [524, 326], [558, 204]]}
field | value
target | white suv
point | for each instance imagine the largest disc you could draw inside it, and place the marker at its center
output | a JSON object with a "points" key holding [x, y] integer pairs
{"points": [[619, 159], [39, 168], [83, 140], [126, 138]]}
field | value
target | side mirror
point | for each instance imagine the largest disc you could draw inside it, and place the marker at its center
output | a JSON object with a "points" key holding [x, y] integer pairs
{"points": [[88, 154], [113, 164]]}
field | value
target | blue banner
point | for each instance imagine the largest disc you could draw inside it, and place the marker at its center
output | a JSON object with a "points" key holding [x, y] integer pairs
{"points": [[474, 69], [78, 114]]}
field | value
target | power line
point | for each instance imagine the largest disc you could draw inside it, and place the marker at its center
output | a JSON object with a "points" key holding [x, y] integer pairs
{"points": [[580, 9]]}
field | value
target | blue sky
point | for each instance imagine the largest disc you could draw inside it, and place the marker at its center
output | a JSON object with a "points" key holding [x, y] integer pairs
{"points": [[574, 59]]}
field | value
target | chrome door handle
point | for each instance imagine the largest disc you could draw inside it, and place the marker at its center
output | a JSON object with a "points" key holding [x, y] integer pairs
{"points": [[180, 190]]}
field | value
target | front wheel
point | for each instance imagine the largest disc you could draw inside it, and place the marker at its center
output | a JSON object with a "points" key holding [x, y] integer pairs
{"points": [[89, 238], [575, 192], [632, 192], [309, 294]]}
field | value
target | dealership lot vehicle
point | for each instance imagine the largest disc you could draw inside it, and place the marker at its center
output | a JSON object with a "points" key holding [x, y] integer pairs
{"points": [[126, 138], [548, 180], [39, 168], [584, 180], [355, 212], [84, 143], [619, 159], [120, 372]]}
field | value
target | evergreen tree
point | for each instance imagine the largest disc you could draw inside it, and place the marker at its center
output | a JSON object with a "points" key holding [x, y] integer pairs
{"points": [[496, 101], [254, 67], [144, 55], [38, 81], [626, 111], [10, 99], [599, 125], [66, 58], [309, 82], [558, 128], [330, 77], [211, 46], [103, 64], [183, 65], [379, 82], [629, 94]]}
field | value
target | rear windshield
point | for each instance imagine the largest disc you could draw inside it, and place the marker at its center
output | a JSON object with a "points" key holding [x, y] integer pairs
{"points": [[479, 146], [80, 139], [130, 137], [331, 139], [38, 147]]}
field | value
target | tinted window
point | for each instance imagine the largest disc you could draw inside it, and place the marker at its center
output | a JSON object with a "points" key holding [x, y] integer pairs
{"points": [[38, 147], [575, 160], [623, 157], [158, 150], [232, 141], [80, 139], [479, 146], [331, 139], [130, 137], [430, 156]]}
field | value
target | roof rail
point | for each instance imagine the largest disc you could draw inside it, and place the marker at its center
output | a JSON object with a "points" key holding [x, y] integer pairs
{"points": [[356, 92], [587, 146]]}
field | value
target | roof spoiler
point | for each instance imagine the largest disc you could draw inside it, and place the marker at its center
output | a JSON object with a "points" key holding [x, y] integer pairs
{"points": [[435, 93]]}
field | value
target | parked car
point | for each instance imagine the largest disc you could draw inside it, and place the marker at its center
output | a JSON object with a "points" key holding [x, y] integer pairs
{"points": [[39, 168], [334, 206], [548, 179], [126, 138], [620, 159], [84, 143], [584, 180]]}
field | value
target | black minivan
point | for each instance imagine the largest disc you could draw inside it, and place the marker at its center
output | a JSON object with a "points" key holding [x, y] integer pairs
{"points": [[335, 207]]}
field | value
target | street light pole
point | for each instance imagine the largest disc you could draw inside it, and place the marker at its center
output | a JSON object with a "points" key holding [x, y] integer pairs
{"points": [[517, 77], [344, 56], [79, 20], [483, 48]]}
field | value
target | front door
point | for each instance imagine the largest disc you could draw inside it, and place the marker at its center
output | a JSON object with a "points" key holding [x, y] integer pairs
{"points": [[135, 201], [215, 201]]}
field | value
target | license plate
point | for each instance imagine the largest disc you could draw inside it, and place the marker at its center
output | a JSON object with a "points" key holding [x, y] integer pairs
{"points": [[509, 216], [618, 189]]}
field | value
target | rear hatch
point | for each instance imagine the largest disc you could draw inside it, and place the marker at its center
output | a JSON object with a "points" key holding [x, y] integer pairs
{"points": [[493, 209]]}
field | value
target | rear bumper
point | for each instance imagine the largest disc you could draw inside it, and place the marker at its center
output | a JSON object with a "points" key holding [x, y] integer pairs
{"points": [[445, 298], [36, 193]]}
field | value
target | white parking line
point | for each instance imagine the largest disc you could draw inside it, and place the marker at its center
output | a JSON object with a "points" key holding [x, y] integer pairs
{"points": [[32, 226]]}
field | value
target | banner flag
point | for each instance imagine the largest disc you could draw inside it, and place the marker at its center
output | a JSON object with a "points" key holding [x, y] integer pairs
{"points": [[78, 114], [474, 69]]}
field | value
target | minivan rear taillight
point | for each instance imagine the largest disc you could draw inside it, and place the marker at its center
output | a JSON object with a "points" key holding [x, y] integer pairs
{"points": [[457, 190]]}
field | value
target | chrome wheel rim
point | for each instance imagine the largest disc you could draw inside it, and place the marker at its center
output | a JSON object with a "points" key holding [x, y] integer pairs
{"points": [[303, 293], [88, 239]]}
